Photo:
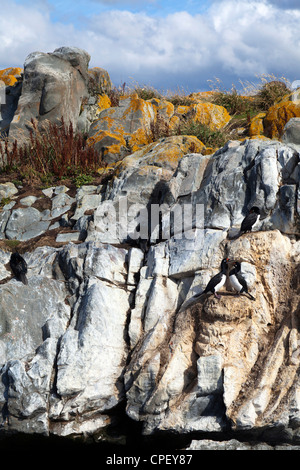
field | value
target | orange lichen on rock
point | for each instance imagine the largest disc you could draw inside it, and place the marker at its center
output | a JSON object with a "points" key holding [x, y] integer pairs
{"points": [[129, 123], [138, 139], [183, 110], [138, 109], [212, 115], [111, 143], [278, 115], [165, 153], [11, 75], [170, 150], [202, 96], [103, 103], [162, 107], [99, 80], [174, 123], [257, 125]]}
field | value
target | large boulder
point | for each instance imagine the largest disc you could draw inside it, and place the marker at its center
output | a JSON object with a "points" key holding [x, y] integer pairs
{"points": [[123, 129], [279, 115], [54, 87], [140, 181], [211, 115]]}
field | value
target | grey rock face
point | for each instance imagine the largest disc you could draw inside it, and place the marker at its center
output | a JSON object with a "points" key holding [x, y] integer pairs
{"points": [[24, 224], [104, 323], [223, 187], [291, 133], [34, 322], [12, 95], [54, 86]]}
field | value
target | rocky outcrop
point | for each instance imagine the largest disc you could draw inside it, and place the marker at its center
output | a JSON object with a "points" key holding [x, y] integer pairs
{"points": [[107, 324], [271, 123], [54, 86], [122, 130], [110, 328]]}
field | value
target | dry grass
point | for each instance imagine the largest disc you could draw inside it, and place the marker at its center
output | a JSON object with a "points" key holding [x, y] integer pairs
{"points": [[52, 151], [253, 97]]}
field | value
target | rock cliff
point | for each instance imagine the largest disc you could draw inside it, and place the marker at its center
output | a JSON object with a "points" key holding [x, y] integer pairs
{"points": [[108, 341]]}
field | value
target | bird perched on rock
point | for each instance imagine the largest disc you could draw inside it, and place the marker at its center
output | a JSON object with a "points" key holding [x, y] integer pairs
{"points": [[217, 281], [250, 220], [19, 267], [237, 281]]}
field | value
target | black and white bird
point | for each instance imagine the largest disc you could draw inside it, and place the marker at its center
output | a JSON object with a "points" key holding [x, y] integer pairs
{"points": [[250, 220], [237, 280], [19, 267], [217, 281]]}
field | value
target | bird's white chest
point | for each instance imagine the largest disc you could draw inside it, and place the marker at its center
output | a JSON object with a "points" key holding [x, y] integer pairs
{"points": [[235, 283], [256, 222], [221, 283]]}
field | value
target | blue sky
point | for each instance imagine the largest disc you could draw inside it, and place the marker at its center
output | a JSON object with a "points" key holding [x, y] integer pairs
{"points": [[165, 44]]}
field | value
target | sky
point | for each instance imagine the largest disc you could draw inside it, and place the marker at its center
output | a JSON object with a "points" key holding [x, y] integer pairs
{"points": [[169, 45]]}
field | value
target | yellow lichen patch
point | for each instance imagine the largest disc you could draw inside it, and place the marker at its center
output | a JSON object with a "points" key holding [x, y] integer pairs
{"points": [[137, 111], [277, 117], [135, 104], [169, 151], [182, 110], [202, 96], [109, 139], [99, 80], [103, 103], [106, 123], [114, 149], [257, 125], [164, 154], [212, 115], [174, 123], [10, 75], [163, 107], [138, 139]]}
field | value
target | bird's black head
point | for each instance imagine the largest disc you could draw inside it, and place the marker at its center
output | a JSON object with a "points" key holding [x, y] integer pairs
{"points": [[255, 209], [237, 265], [224, 264]]}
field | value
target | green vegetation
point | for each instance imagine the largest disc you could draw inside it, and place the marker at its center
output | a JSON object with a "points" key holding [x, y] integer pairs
{"points": [[4, 201], [82, 179], [209, 137], [12, 244]]}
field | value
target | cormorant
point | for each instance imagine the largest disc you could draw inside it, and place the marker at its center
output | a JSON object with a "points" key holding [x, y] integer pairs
{"points": [[216, 281], [250, 220], [237, 281], [19, 267]]}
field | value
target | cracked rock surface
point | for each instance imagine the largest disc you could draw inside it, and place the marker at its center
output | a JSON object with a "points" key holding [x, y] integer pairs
{"points": [[107, 326]]}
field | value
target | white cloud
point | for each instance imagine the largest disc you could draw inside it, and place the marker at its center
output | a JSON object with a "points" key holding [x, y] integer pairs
{"points": [[24, 29], [232, 40]]}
